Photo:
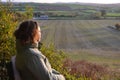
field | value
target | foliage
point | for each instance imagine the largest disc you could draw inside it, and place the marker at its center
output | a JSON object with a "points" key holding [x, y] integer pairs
{"points": [[117, 25], [8, 22], [103, 13], [7, 26], [28, 12], [96, 15], [78, 70], [57, 60], [87, 70], [19, 16], [55, 57]]}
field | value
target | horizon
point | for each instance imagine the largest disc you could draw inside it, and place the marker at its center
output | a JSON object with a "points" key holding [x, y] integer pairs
{"points": [[70, 1]]}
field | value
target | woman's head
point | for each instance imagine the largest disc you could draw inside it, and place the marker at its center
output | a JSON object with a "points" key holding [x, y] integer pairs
{"points": [[28, 32]]}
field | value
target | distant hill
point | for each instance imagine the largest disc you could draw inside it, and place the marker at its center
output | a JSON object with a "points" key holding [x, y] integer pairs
{"points": [[95, 4], [74, 10], [54, 7], [65, 6]]}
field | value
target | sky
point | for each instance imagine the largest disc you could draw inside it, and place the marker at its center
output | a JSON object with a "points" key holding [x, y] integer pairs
{"points": [[66, 1]]}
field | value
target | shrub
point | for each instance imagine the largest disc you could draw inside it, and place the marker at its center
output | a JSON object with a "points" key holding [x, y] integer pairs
{"points": [[117, 26], [7, 26], [8, 22], [87, 70], [58, 62], [55, 57]]}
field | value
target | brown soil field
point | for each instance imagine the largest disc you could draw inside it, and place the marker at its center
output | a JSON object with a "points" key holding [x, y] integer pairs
{"points": [[77, 37]]}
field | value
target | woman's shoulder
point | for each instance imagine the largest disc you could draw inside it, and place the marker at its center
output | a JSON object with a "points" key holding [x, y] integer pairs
{"points": [[36, 52]]}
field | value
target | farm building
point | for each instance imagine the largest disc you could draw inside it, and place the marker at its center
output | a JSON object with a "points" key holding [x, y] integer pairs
{"points": [[40, 16]]}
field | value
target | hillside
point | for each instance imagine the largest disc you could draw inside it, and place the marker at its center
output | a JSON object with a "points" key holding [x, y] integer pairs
{"points": [[72, 10], [66, 6], [88, 40]]}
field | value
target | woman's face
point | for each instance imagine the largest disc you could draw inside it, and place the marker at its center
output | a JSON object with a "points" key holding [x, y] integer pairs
{"points": [[39, 34], [37, 37]]}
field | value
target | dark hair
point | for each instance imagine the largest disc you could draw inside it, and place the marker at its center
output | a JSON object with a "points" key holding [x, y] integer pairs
{"points": [[26, 31]]}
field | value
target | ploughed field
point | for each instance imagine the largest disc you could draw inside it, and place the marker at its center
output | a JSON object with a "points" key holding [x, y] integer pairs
{"points": [[90, 40]]}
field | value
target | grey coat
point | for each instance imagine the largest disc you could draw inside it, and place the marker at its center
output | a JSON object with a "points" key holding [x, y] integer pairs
{"points": [[33, 65]]}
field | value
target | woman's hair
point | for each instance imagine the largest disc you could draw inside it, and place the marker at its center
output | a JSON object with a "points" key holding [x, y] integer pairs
{"points": [[26, 32]]}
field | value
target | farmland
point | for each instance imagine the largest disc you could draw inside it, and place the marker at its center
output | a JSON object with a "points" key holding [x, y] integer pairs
{"points": [[72, 11], [90, 40]]}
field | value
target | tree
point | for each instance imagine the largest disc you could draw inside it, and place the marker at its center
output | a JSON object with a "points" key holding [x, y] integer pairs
{"points": [[103, 13], [29, 12], [96, 15]]}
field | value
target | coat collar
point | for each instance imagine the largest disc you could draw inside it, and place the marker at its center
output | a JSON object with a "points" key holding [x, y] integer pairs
{"points": [[21, 47]]}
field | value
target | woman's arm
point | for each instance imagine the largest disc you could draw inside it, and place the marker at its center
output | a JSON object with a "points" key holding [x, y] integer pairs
{"points": [[41, 69]]}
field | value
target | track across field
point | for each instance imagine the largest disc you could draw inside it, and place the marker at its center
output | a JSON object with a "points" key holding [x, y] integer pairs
{"points": [[78, 37]]}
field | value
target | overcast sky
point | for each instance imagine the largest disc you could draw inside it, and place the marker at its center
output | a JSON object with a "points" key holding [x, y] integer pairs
{"points": [[53, 1]]}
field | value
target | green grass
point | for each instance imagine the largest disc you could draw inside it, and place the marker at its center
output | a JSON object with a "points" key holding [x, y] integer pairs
{"points": [[113, 14]]}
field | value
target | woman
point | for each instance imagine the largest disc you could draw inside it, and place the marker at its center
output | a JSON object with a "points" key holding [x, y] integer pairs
{"points": [[30, 62]]}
